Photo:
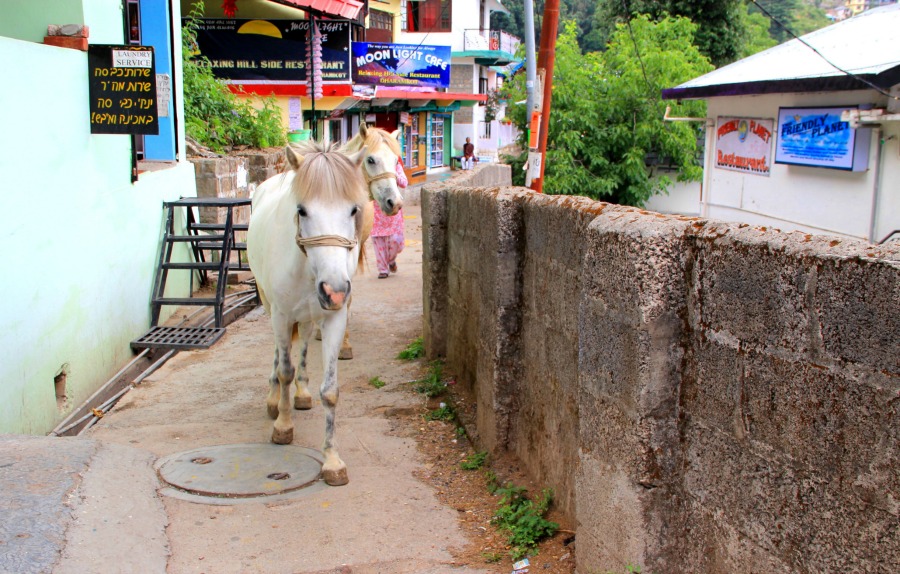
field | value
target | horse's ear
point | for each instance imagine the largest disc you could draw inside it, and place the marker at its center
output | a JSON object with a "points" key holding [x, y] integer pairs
{"points": [[395, 134], [363, 130], [294, 158], [358, 157]]}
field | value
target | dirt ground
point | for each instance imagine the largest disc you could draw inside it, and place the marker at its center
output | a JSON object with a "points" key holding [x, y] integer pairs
{"points": [[408, 509]]}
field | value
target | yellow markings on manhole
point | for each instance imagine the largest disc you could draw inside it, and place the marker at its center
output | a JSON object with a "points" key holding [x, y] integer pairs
{"points": [[326, 504], [409, 217], [410, 242]]}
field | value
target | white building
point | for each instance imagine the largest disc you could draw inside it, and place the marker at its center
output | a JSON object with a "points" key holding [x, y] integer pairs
{"points": [[464, 25], [800, 140]]}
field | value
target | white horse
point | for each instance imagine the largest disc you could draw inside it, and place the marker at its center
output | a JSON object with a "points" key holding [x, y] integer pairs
{"points": [[304, 245], [382, 152]]}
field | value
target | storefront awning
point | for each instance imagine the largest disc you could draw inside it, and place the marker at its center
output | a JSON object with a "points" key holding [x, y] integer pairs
{"points": [[335, 8], [384, 97]]}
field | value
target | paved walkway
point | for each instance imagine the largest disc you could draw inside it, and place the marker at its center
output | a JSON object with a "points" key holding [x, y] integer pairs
{"points": [[94, 504]]}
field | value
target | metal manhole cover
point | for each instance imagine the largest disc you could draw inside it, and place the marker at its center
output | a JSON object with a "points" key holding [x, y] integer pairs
{"points": [[242, 471], [178, 338]]}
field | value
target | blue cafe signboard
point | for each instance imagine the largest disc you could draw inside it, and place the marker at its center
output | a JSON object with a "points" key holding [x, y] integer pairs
{"points": [[401, 65], [817, 137]]}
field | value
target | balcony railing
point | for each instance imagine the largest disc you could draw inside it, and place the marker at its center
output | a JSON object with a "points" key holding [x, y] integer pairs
{"points": [[491, 40]]}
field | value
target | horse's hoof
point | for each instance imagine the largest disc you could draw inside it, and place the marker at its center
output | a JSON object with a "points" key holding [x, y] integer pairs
{"points": [[302, 403], [318, 334], [345, 353], [272, 410], [283, 437], [335, 476]]}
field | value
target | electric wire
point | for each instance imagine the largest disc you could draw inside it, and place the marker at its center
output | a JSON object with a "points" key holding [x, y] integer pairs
{"points": [[880, 90]]}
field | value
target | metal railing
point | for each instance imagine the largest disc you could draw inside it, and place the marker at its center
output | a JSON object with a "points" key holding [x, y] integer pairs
{"points": [[493, 40]]}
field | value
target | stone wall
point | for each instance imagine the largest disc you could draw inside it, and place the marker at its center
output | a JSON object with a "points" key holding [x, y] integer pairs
{"points": [[701, 396], [232, 176]]}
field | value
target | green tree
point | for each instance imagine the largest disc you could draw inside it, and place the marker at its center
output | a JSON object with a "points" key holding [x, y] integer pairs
{"points": [[214, 116], [809, 18], [720, 25], [757, 37], [607, 115]]}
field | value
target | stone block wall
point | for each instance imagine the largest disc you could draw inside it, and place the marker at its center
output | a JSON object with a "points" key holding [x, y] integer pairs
{"points": [[232, 176], [702, 396]]}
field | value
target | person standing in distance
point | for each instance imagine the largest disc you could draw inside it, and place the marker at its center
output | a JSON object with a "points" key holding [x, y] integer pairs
{"points": [[387, 233], [468, 154]]}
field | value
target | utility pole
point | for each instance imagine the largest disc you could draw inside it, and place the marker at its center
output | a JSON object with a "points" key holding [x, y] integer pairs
{"points": [[546, 59]]}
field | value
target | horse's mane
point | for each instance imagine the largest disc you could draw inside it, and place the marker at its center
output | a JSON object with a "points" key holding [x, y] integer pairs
{"points": [[327, 175], [374, 138]]}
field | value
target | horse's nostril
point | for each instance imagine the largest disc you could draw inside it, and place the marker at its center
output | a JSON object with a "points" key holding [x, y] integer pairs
{"points": [[390, 203]]}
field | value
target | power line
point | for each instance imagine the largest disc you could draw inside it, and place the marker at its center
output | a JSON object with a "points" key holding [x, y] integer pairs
{"points": [[829, 62]]}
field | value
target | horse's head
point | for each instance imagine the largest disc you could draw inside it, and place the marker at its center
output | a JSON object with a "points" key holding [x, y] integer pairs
{"points": [[330, 198], [382, 151]]}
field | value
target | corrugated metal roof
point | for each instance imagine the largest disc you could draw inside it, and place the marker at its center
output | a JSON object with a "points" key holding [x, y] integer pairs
{"points": [[867, 45]]}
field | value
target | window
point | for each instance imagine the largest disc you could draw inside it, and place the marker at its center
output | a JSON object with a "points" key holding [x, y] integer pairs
{"points": [[428, 16], [482, 86], [485, 131]]}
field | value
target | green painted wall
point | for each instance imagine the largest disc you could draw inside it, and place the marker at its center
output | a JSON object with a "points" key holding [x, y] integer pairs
{"points": [[80, 241], [28, 19]]}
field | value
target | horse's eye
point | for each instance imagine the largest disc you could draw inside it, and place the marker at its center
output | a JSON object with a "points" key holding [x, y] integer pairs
{"points": [[301, 210], [370, 160], [354, 211]]}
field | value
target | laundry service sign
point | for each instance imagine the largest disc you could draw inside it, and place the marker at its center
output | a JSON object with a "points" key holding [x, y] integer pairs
{"points": [[817, 137]]}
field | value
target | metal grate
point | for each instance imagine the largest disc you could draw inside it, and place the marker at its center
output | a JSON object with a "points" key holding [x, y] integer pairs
{"points": [[178, 338]]}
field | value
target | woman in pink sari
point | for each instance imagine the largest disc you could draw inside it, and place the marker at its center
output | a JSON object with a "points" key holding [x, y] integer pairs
{"points": [[387, 233]]}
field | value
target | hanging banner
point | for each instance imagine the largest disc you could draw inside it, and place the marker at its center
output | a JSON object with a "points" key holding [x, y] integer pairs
{"points": [[406, 65], [122, 90], [744, 144], [273, 50], [817, 137]]}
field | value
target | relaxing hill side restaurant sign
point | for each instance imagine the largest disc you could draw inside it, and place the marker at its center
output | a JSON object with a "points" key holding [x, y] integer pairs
{"points": [[122, 90], [744, 144], [272, 50]]}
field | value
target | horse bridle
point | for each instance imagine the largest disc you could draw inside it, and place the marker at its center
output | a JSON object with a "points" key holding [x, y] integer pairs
{"points": [[324, 240], [338, 240], [385, 175]]}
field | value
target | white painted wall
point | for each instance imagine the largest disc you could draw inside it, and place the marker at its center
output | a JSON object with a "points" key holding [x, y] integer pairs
{"points": [[80, 241], [814, 200]]}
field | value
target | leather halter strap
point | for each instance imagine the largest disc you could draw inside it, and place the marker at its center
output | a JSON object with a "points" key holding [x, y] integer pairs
{"points": [[385, 175], [324, 240]]}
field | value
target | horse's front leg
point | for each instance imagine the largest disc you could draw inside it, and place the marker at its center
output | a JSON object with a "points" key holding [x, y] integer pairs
{"points": [[334, 471], [302, 399], [282, 376]]}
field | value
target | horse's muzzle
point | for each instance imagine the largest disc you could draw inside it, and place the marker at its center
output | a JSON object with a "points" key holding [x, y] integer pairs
{"points": [[392, 206], [331, 299]]}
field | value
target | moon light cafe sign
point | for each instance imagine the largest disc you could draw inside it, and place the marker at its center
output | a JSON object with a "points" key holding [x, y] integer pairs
{"points": [[401, 65], [273, 50], [744, 144], [122, 90]]}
